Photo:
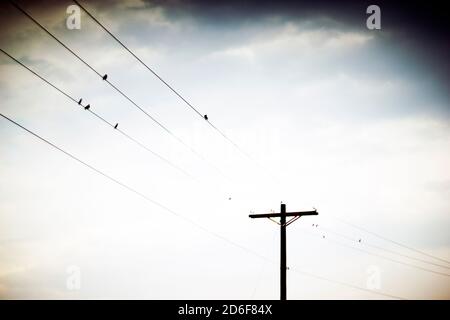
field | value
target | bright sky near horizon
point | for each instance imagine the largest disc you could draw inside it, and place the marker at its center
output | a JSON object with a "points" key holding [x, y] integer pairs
{"points": [[351, 121]]}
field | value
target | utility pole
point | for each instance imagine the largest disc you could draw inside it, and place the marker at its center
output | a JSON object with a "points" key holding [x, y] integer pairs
{"points": [[283, 224]]}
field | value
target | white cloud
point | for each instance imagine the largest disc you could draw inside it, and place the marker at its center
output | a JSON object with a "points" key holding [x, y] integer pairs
{"points": [[293, 39]]}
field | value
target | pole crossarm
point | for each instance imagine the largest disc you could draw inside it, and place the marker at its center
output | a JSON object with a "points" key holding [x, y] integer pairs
{"points": [[287, 214]]}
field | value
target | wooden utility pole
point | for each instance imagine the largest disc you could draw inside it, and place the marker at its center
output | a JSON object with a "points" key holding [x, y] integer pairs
{"points": [[283, 224]]}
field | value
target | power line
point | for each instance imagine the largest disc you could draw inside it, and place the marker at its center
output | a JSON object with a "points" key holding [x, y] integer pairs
{"points": [[389, 240], [55, 38], [90, 67], [179, 95], [305, 273], [165, 208], [209, 122], [163, 127], [89, 166], [192, 222], [241, 150], [365, 243], [138, 59], [80, 59], [123, 185], [341, 283], [381, 256], [165, 160], [188, 103]]}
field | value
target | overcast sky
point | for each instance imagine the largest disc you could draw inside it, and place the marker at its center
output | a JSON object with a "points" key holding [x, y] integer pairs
{"points": [[351, 121]]}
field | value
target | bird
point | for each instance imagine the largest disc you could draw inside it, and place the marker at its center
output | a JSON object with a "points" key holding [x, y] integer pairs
{"points": [[105, 77], [87, 107], [115, 127], [323, 237], [359, 240], [79, 102], [206, 117]]}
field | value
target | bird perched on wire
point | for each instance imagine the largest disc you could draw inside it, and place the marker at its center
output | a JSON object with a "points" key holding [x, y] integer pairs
{"points": [[79, 102], [117, 124], [206, 117], [87, 107], [105, 77]]}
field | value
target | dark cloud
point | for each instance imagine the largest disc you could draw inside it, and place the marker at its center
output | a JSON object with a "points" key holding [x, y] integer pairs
{"points": [[417, 28]]}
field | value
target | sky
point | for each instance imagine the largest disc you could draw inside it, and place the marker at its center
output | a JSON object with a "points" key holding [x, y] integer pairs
{"points": [[334, 116]]}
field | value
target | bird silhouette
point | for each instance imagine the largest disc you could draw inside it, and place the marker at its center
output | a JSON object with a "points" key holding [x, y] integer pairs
{"points": [[359, 240], [206, 117], [323, 237], [87, 107], [79, 102], [115, 127], [105, 77]]}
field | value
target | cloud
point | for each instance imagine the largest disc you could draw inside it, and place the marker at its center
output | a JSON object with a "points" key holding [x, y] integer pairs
{"points": [[348, 123], [292, 39]]}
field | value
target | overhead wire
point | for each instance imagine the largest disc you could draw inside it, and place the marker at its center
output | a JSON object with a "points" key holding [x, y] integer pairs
{"points": [[162, 158], [176, 92], [123, 185], [389, 240], [186, 102], [368, 244], [380, 293], [378, 255], [163, 127], [167, 209], [191, 106]]}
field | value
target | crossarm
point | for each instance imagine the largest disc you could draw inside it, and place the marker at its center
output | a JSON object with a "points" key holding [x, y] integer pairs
{"points": [[288, 214]]}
